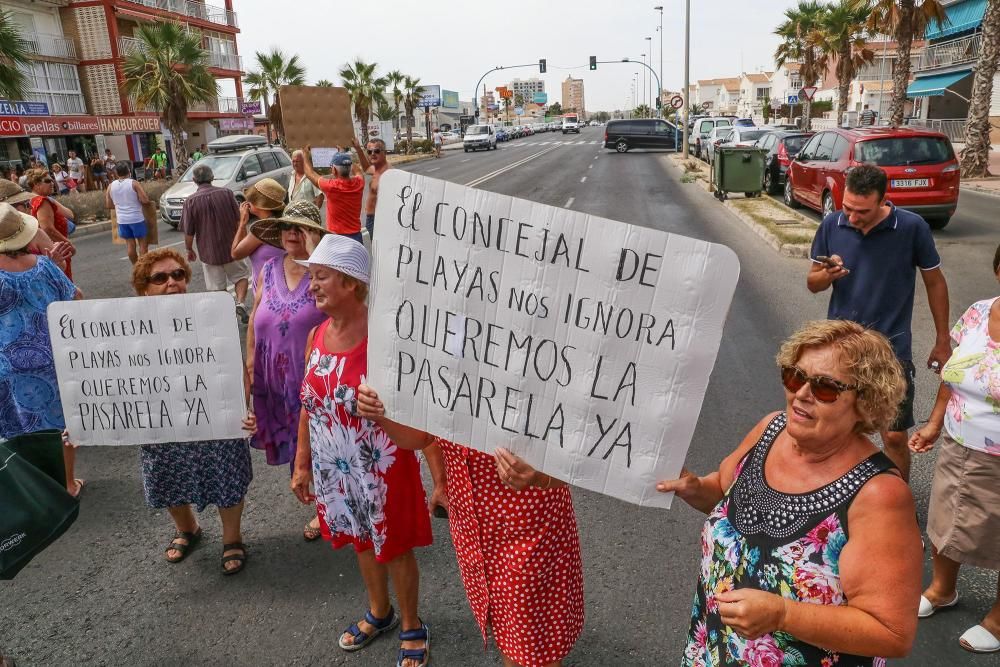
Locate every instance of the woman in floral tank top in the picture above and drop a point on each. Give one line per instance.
(810, 554)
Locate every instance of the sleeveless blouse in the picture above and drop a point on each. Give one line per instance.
(60, 222)
(782, 543)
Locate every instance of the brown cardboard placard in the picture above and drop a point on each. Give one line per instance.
(152, 222)
(316, 116)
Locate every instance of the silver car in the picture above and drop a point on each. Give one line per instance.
(237, 162)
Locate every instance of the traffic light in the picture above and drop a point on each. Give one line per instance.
(659, 103)
(541, 66)
(593, 62)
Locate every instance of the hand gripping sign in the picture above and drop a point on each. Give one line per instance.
(582, 344)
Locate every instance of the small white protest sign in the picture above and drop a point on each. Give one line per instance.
(150, 369)
(582, 344)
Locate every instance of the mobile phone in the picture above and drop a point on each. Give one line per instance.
(830, 263)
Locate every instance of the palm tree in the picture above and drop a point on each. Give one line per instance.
(169, 73)
(801, 36)
(975, 157)
(411, 100)
(324, 83)
(383, 111)
(905, 20)
(13, 57)
(274, 70)
(842, 38)
(365, 88)
(394, 80)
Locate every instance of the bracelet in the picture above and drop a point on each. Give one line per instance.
(548, 484)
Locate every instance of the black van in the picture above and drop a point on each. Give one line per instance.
(623, 135)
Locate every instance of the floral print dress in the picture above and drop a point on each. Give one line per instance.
(787, 544)
(368, 492)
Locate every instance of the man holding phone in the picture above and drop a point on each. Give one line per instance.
(869, 252)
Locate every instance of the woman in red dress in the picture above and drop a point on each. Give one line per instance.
(516, 541)
(368, 493)
(52, 216)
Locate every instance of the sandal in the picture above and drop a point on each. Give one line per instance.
(361, 638)
(78, 484)
(192, 541)
(978, 639)
(927, 608)
(421, 654)
(311, 534)
(241, 558)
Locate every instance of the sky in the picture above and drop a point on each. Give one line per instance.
(452, 43)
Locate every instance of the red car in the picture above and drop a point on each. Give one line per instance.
(921, 166)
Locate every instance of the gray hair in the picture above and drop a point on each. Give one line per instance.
(122, 169)
(343, 169)
(202, 174)
(298, 152)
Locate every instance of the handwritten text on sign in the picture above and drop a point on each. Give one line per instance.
(583, 344)
(149, 369)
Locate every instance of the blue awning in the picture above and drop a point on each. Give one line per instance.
(935, 84)
(962, 16)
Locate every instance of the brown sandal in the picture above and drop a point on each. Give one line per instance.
(241, 557)
(310, 534)
(192, 541)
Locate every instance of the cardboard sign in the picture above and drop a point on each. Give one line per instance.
(582, 344)
(152, 225)
(146, 370)
(317, 116)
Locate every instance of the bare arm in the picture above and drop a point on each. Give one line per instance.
(258, 294)
(937, 298)
(923, 440)
(109, 204)
(47, 222)
(140, 193)
(309, 171)
(362, 155)
(66, 212)
(244, 243)
(302, 469)
(821, 276)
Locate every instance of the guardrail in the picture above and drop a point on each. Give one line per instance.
(955, 52)
(218, 105)
(953, 128)
(42, 44)
(231, 61)
(198, 10)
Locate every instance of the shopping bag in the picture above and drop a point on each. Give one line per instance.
(35, 507)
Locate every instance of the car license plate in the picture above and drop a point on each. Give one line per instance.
(910, 182)
(174, 215)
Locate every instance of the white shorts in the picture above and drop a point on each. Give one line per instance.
(219, 276)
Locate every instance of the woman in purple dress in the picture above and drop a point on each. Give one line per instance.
(284, 312)
(264, 199)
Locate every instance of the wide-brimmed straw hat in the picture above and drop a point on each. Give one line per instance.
(266, 194)
(12, 193)
(303, 214)
(16, 229)
(340, 253)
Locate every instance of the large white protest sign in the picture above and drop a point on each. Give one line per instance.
(582, 344)
(149, 369)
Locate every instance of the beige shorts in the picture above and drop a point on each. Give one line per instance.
(963, 520)
(220, 276)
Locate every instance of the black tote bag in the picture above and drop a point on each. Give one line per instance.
(35, 508)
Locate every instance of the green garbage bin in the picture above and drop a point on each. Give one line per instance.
(739, 169)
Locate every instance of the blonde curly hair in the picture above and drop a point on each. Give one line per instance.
(865, 356)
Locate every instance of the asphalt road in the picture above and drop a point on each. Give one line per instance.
(104, 595)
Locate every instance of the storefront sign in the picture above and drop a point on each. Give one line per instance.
(229, 124)
(11, 127)
(23, 108)
(128, 124)
(251, 107)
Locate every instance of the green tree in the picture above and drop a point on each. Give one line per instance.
(842, 39)
(801, 38)
(411, 100)
(765, 109)
(274, 70)
(169, 73)
(641, 111)
(555, 109)
(975, 157)
(324, 83)
(366, 89)
(383, 111)
(13, 57)
(905, 20)
(394, 83)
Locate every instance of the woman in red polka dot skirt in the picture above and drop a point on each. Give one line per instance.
(516, 540)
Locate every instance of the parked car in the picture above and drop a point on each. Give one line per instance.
(624, 135)
(744, 122)
(739, 135)
(237, 162)
(502, 134)
(781, 145)
(716, 137)
(702, 129)
(479, 136)
(921, 166)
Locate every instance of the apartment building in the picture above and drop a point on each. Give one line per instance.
(572, 96)
(755, 92)
(75, 98)
(527, 88)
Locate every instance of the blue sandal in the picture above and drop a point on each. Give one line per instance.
(361, 638)
(421, 654)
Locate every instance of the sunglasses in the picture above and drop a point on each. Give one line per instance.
(374, 151)
(288, 227)
(160, 278)
(824, 389)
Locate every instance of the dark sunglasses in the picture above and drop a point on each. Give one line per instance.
(824, 389)
(160, 278)
(288, 227)
(374, 151)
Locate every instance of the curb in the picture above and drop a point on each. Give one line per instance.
(989, 192)
(92, 228)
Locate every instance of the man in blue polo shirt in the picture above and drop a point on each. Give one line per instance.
(870, 252)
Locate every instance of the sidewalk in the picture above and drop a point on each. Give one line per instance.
(989, 185)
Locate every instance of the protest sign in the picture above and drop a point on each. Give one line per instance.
(582, 344)
(317, 116)
(149, 369)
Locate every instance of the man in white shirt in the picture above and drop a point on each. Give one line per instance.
(74, 166)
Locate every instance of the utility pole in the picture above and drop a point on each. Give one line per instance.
(648, 77)
(687, 74)
(659, 93)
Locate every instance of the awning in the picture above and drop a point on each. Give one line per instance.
(962, 16)
(935, 84)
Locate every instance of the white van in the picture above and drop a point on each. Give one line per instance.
(571, 123)
(479, 136)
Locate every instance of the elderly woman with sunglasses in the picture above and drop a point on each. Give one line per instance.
(284, 312)
(179, 475)
(810, 553)
(53, 218)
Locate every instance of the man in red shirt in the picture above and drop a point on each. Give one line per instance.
(344, 190)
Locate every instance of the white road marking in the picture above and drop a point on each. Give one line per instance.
(434, 169)
(482, 179)
(590, 166)
(466, 159)
(596, 156)
(583, 180)
(569, 202)
(169, 245)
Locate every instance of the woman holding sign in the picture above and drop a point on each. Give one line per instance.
(179, 475)
(516, 540)
(368, 493)
(810, 554)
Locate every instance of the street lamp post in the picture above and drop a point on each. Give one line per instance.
(648, 77)
(687, 73)
(642, 100)
(659, 8)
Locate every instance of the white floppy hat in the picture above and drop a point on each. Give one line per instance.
(341, 254)
(16, 229)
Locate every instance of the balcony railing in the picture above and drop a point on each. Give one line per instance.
(218, 105)
(198, 10)
(54, 46)
(955, 52)
(130, 45)
(954, 128)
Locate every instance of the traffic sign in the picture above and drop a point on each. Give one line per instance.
(706, 105)
(807, 93)
(775, 104)
(676, 101)
(793, 99)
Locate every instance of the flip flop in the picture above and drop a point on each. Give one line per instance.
(927, 609)
(978, 639)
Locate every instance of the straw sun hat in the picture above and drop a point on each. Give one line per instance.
(16, 229)
(266, 194)
(12, 193)
(303, 214)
